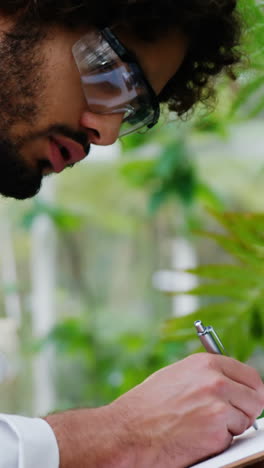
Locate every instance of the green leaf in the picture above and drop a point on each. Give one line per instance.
(245, 93)
(139, 172)
(227, 272)
(221, 290)
(256, 322)
(70, 336)
(157, 199)
(133, 141)
(244, 227)
(174, 156)
(62, 219)
(217, 314)
(236, 338)
(244, 253)
(239, 319)
(209, 197)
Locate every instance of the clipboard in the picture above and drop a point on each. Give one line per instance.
(254, 461)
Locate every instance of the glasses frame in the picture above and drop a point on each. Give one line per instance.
(128, 57)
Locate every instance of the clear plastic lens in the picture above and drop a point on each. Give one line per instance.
(110, 85)
(129, 112)
(107, 91)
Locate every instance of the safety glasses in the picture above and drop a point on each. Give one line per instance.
(114, 83)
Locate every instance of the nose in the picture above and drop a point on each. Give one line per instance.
(102, 129)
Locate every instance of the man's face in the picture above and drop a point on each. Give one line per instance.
(45, 122)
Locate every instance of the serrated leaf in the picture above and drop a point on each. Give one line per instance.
(222, 313)
(255, 222)
(228, 272)
(243, 226)
(235, 335)
(209, 197)
(217, 314)
(238, 250)
(220, 290)
(239, 320)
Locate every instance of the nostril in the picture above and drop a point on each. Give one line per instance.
(101, 129)
(65, 153)
(93, 135)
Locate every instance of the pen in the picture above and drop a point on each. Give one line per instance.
(212, 343)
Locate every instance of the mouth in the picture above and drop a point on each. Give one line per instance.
(64, 152)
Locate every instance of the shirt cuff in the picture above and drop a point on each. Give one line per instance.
(37, 442)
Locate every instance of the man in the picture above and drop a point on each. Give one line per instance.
(75, 73)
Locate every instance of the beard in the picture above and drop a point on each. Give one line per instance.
(17, 180)
(22, 80)
(20, 180)
(21, 83)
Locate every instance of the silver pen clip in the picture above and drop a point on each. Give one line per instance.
(209, 338)
(212, 331)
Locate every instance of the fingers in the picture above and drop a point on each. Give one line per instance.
(230, 422)
(237, 422)
(246, 400)
(229, 381)
(241, 373)
(247, 392)
(240, 396)
(237, 383)
(193, 408)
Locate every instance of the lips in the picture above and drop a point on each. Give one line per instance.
(64, 152)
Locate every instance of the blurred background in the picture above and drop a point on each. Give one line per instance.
(103, 274)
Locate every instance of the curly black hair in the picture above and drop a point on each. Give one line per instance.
(212, 26)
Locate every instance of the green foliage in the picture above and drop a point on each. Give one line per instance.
(248, 99)
(233, 294)
(171, 175)
(63, 219)
(70, 336)
(104, 370)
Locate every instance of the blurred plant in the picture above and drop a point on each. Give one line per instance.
(235, 290)
(64, 219)
(103, 370)
(170, 175)
(248, 96)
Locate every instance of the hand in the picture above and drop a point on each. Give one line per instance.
(177, 417)
(190, 410)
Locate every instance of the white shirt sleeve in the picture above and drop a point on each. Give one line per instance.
(27, 443)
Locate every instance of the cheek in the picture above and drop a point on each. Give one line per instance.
(64, 101)
(61, 102)
(63, 97)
